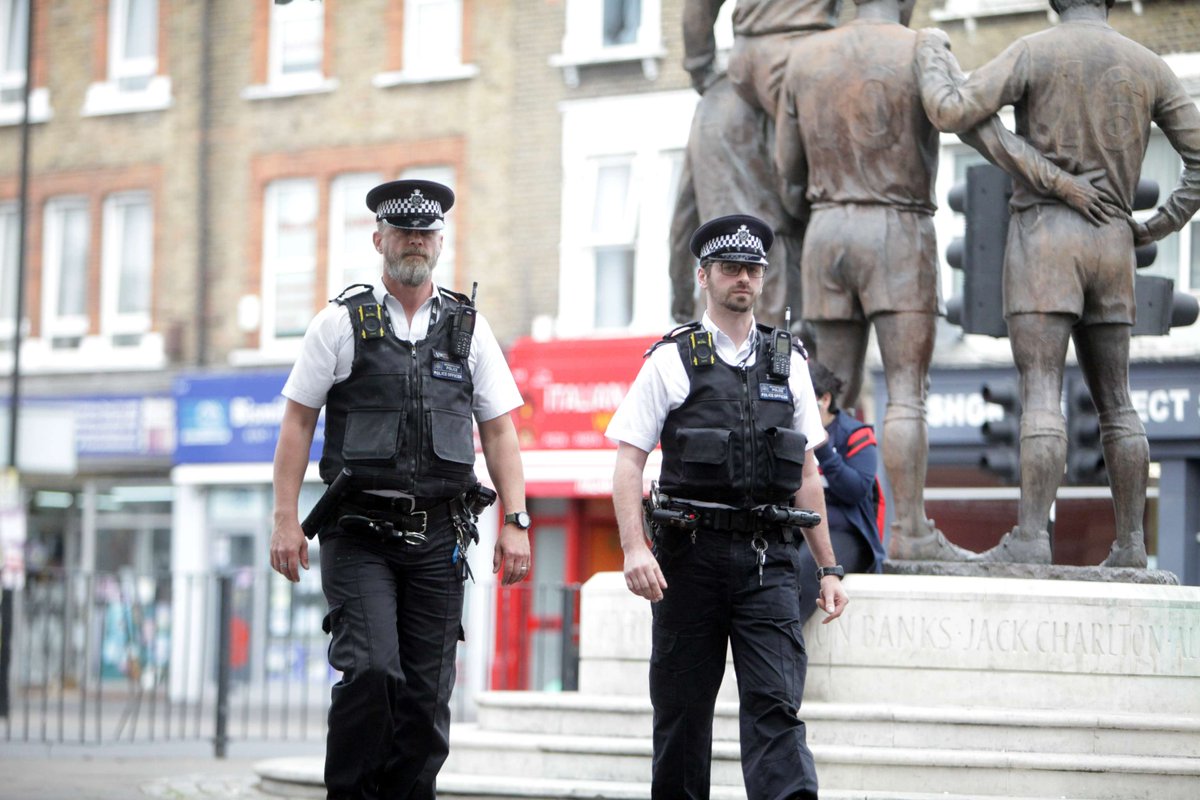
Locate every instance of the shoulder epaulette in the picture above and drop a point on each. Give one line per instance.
(798, 346)
(457, 296)
(672, 336)
(352, 290)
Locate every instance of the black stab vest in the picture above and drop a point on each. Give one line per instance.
(732, 440)
(402, 419)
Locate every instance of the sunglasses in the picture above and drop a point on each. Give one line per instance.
(731, 269)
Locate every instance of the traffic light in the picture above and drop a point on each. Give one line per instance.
(1085, 456)
(1159, 306)
(983, 200)
(1002, 437)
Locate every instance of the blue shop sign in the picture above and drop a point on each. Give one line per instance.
(232, 418)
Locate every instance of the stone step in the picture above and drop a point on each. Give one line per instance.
(843, 767)
(866, 725)
(301, 779)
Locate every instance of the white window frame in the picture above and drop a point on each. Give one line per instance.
(121, 66)
(56, 325)
(110, 96)
(12, 78)
(114, 323)
(273, 266)
(345, 196)
(447, 268)
(970, 10)
(12, 112)
(416, 39)
(622, 235)
(651, 129)
(418, 33)
(8, 268)
(277, 83)
(281, 15)
(583, 40)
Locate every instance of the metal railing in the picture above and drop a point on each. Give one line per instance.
(238, 656)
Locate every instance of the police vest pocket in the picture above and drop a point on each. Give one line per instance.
(786, 449)
(705, 455)
(453, 440)
(372, 434)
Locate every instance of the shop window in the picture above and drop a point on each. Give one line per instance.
(289, 257)
(65, 274)
(127, 267)
(132, 82)
(352, 255)
(9, 233)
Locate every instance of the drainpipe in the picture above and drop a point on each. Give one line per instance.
(203, 187)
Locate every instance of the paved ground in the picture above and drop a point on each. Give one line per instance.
(163, 771)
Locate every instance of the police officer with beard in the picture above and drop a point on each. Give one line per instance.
(733, 406)
(401, 368)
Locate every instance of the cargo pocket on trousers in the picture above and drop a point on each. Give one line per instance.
(341, 648)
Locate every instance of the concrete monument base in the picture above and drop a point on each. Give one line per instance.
(954, 687)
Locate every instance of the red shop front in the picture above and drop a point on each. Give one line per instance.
(570, 388)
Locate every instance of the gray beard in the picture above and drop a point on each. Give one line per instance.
(410, 270)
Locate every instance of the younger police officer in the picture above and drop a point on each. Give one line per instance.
(400, 382)
(737, 428)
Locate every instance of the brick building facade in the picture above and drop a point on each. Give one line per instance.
(196, 181)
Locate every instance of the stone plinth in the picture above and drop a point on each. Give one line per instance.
(937, 640)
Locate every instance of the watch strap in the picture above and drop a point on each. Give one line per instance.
(836, 570)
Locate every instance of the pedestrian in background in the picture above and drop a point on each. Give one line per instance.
(848, 461)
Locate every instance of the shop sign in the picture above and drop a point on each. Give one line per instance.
(120, 426)
(571, 388)
(235, 418)
(1165, 396)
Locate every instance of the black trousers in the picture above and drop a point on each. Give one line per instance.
(853, 553)
(395, 614)
(713, 599)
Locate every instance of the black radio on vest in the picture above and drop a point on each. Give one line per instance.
(464, 326)
(781, 350)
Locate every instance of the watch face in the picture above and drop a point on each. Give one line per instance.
(519, 518)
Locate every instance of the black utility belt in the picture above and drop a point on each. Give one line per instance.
(761, 519)
(384, 523)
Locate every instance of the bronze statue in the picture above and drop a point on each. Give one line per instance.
(1085, 95)
(728, 167)
(869, 160)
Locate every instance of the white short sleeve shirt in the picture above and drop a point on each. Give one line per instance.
(328, 352)
(662, 385)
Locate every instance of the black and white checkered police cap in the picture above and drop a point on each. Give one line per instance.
(737, 237)
(411, 204)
